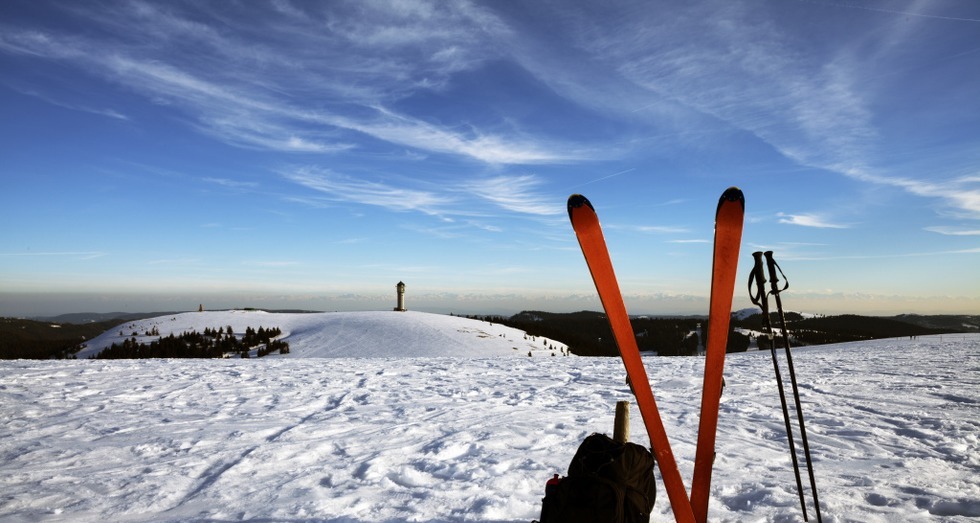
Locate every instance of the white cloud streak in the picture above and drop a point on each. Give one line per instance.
(78, 255)
(800, 257)
(813, 105)
(103, 111)
(809, 220)
(515, 193)
(961, 194)
(231, 184)
(905, 13)
(324, 75)
(953, 231)
(660, 229)
(338, 187)
(518, 195)
(405, 130)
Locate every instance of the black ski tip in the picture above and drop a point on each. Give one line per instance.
(577, 200)
(731, 194)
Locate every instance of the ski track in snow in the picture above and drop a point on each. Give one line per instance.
(893, 427)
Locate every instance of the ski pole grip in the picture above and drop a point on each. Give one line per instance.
(773, 267)
(759, 277)
(773, 278)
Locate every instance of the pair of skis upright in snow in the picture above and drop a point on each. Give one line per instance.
(728, 237)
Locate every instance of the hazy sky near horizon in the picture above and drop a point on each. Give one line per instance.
(288, 154)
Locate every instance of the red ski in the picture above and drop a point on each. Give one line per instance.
(728, 238)
(589, 233)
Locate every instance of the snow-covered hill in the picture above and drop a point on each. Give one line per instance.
(744, 314)
(894, 430)
(349, 334)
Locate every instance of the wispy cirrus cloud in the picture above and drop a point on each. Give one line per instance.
(100, 111)
(515, 193)
(272, 263)
(341, 188)
(461, 202)
(810, 220)
(232, 184)
(251, 132)
(904, 13)
(489, 148)
(816, 106)
(884, 256)
(688, 241)
(961, 194)
(662, 229)
(953, 231)
(323, 76)
(77, 255)
(651, 229)
(739, 71)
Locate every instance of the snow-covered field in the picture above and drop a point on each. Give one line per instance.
(894, 429)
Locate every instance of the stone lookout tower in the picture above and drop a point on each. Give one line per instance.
(401, 297)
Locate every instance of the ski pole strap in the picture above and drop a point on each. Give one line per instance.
(773, 267)
(758, 277)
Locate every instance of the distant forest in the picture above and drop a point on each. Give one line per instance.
(586, 333)
(212, 343)
(29, 339)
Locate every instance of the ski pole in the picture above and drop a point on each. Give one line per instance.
(776, 289)
(761, 299)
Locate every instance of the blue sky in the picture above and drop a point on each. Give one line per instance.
(158, 155)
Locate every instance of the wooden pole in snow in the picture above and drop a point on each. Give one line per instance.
(621, 425)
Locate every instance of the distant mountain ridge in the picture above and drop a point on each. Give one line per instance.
(583, 332)
(588, 333)
(971, 323)
(94, 317)
(78, 318)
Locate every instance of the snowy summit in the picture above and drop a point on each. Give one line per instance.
(348, 334)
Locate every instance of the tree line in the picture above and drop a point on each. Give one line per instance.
(212, 343)
(587, 333)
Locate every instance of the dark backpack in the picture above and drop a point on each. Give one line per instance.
(607, 483)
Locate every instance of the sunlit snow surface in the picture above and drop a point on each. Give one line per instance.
(894, 428)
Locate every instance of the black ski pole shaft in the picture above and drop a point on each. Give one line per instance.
(761, 299)
(776, 290)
